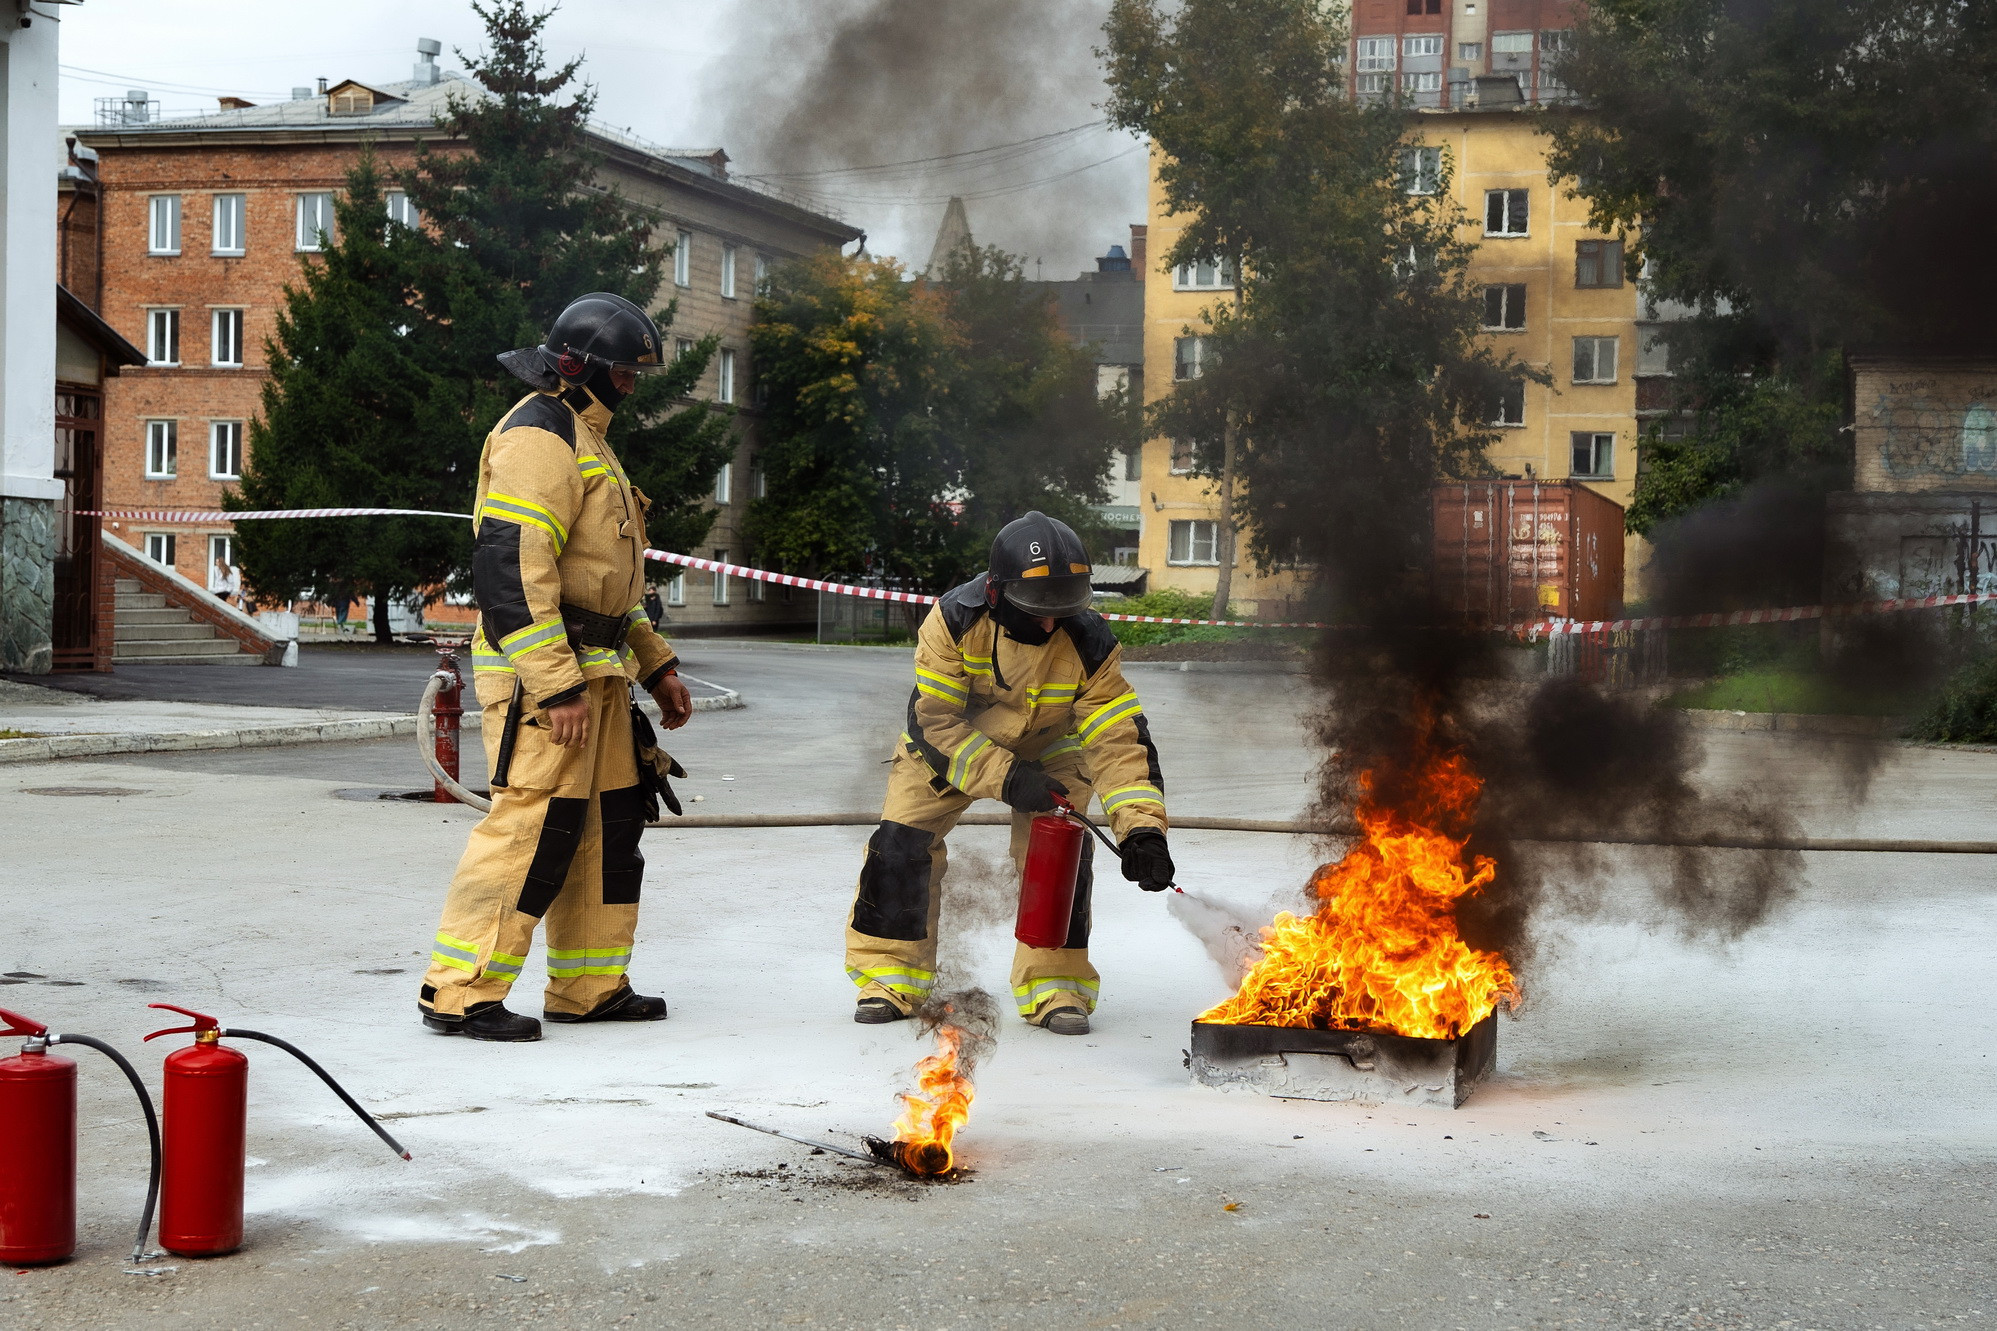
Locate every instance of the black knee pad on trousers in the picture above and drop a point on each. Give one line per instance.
(561, 834)
(1085, 881)
(623, 862)
(894, 884)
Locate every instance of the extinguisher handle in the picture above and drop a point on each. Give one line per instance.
(20, 1025)
(202, 1021)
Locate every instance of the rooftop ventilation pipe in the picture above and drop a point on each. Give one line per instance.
(427, 51)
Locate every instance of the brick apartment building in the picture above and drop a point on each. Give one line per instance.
(204, 218)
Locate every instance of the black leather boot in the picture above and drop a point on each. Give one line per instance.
(1066, 1021)
(485, 1021)
(624, 1005)
(877, 1012)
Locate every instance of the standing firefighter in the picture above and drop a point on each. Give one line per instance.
(562, 632)
(1020, 696)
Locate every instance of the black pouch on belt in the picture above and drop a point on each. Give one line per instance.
(654, 766)
(586, 628)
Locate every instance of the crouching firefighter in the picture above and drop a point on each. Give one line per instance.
(1019, 696)
(558, 571)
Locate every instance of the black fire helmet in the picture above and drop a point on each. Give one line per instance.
(597, 331)
(1040, 566)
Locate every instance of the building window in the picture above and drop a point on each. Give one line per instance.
(1653, 350)
(758, 589)
(1133, 464)
(315, 221)
(1594, 456)
(1504, 307)
(1420, 44)
(163, 235)
(1429, 82)
(1421, 170)
(1595, 360)
(1598, 263)
(221, 550)
(681, 346)
(1505, 212)
(676, 588)
(225, 450)
(763, 263)
(351, 102)
(683, 260)
(1511, 43)
(1553, 46)
(160, 547)
(1425, 7)
(162, 450)
(1511, 405)
(228, 235)
(724, 388)
(163, 337)
(401, 211)
(1375, 54)
(1469, 50)
(1183, 459)
(1193, 541)
(724, 483)
(1374, 84)
(226, 338)
(720, 579)
(759, 480)
(1188, 357)
(728, 272)
(1205, 275)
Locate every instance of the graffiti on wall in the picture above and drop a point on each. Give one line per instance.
(1925, 432)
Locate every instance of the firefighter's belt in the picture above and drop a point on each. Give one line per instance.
(586, 628)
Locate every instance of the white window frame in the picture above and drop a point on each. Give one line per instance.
(1185, 553)
(759, 479)
(1374, 54)
(1515, 395)
(1415, 44)
(1469, 51)
(225, 336)
(230, 217)
(1204, 276)
(724, 483)
(720, 579)
(1515, 212)
(1421, 170)
(225, 445)
(1373, 84)
(162, 450)
(1183, 369)
(724, 376)
(1511, 43)
(163, 336)
(763, 265)
(1601, 447)
(1588, 355)
(163, 224)
(1181, 457)
(728, 253)
(1422, 81)
(226, 547)
(160, 547)
(676, 588)
(683, 259)
(401, 211)
(320, 216)
(758, 589)
(1505, 307)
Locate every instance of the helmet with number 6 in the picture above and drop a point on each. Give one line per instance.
(1040, 566)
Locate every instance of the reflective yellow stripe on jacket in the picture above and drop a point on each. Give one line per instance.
(527, 514)
(517, 644)
(941, 687)
(1107, 715)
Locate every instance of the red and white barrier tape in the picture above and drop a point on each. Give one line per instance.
(1546, 627)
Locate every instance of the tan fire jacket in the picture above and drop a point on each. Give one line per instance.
(983, 701)
(558, 522)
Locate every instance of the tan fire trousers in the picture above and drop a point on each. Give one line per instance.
(891, 935)
(560, 844)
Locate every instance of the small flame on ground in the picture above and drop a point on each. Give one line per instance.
(1382, 951)
(935, 1109)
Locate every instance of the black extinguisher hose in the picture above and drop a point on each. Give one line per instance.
(237, 1033)
(152, 1129)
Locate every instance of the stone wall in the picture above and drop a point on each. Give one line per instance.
(27, 584)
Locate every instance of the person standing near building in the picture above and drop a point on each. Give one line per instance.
(558, 573)
(1019, 695)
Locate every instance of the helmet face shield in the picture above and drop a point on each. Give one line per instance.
(1054, 596)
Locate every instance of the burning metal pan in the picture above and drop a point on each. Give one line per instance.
(1370, 1067)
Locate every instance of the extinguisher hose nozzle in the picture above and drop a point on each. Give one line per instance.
(152, 1130)
(237, 1033)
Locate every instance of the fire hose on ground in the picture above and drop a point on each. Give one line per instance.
(425, 740)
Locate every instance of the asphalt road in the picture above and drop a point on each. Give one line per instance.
(1785, 1130)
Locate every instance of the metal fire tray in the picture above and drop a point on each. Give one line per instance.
(1372, 1067)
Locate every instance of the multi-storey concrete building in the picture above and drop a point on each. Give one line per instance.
(206, 218)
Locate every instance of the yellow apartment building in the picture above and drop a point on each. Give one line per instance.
(1554, 295)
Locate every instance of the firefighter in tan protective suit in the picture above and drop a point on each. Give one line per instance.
(1020, 696)
(559, 576)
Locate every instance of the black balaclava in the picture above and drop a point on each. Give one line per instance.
(600, 387)
(1019, 625)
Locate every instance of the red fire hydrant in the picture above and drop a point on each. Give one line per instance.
(448, 714)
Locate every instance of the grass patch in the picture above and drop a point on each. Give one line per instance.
(9, 733)
(1779, 689)
(1965, 711)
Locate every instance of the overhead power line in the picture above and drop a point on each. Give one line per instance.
(932, 162)
(973, 195)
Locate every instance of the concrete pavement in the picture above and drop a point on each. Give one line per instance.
(1789, 1131)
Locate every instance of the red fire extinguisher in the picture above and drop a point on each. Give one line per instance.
(205, 1105)
(1047, 881)
(38, 1158)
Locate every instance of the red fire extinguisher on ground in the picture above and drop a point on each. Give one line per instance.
(205, 1105)
(38, 1155)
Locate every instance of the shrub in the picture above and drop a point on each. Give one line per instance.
(1965, 712)
(1167, 604)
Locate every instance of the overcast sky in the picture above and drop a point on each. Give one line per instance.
(800, 86)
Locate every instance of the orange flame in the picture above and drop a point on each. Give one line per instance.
(1382, 950)
(935, 1109)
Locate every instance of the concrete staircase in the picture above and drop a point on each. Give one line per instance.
(151, 632)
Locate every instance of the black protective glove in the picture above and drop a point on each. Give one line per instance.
(1029, 789)
(1146, 861)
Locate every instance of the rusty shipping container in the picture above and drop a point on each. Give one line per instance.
(1508, 552)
